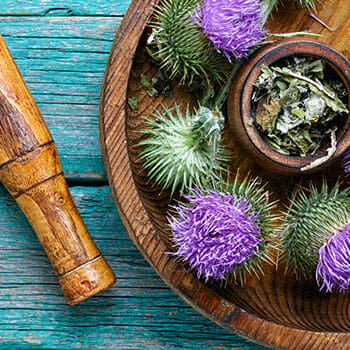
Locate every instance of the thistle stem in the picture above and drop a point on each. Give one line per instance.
(267, 7)
(223, 92)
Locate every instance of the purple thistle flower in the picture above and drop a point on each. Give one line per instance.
(346, 162)
(233, 26)
(215, 232)
(333, 269)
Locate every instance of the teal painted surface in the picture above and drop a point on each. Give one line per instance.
(63, 60)
(62, 57)
(63, 7)
(139, 312)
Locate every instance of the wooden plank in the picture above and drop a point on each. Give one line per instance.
(63, 8)
(63, 62)
(140, 311)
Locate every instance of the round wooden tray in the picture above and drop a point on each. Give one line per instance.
(276, 310)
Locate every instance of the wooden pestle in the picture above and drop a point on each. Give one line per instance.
(31, 171)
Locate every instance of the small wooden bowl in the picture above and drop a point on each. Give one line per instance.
(240, 112)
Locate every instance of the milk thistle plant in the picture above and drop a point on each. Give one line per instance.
(191, 38)
(180, 47)
(196, 41)
(232, 26)
(224, 232)
(316, 239)
(184, 150)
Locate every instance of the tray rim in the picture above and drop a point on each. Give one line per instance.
(114, 150)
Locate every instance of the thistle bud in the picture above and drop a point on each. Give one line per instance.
(184, 150)
(232, 26)
(224, 233)
(316, 239)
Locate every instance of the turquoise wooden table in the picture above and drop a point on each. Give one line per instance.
(61, 48)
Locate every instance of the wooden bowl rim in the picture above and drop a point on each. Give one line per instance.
(137, 222)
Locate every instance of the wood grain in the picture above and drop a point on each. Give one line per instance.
(33, 314)
(63, 61)
(276, 310)
(31, 171)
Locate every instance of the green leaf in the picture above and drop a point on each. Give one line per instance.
(132, 102)
(298, 112)
(147, 84)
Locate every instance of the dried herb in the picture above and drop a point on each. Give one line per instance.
(298, 105)
(132, 103)
(147, 84)
(157, 85)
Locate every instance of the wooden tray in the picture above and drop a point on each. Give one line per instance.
(274, 311)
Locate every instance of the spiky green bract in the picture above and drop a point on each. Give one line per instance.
(184, 150)
(180, 45)
(253, 190)
(313, 217)
(308, 4)
(270, 5)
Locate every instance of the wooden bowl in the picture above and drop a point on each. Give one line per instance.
(276, 310)
(241, 115)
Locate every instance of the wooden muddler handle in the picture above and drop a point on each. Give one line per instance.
(31, 171)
